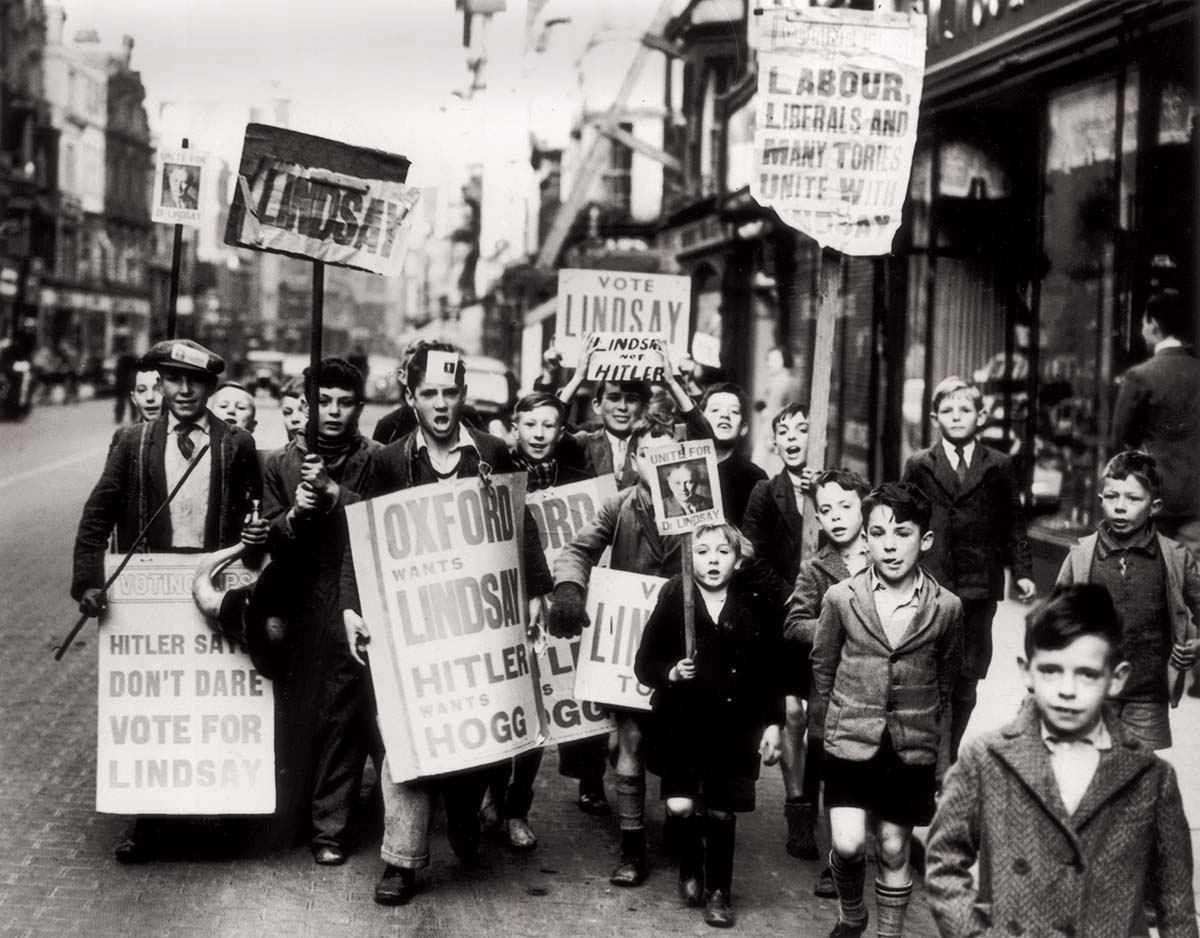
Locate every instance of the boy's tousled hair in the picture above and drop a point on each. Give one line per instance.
(541, 399)
(1071, 611)
(1136, 464)
(956, 385)
(650, 427)
(418, 362)
(293, 388)
(737, 540)
(640, 388)
(337, 373)
(726, 387)
(1167, 309)
(906, 501)
(786, 411)
(848, 479)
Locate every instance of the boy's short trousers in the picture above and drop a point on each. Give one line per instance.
(884, 785)
(797, 672)
(734, 794)
(1148, 721)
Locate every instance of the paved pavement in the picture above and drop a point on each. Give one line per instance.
(57, 876)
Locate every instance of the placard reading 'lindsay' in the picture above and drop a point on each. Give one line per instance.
(626, 356)
(315, 198)
(186, 724)
(618, 606)
(560, 513)
(618, 301)
(439, 571)
(836, 121)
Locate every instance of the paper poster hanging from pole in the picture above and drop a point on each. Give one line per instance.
(185, 723)
(685, 488)
(439, 571)
(839, 92)
(180, 186)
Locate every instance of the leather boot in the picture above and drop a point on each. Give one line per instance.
(396, 886)
(689, 841)
(801, 822)
(631, 871)
(718, 871)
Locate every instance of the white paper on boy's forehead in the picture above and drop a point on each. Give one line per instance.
(440, 368)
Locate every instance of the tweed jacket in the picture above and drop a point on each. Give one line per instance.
(134, 484)
(773, 523)
(1158, 410)
(867, 686)
(391, 469)
(626, 523)
(1046, 873)
(1183, 581)
(978, 526)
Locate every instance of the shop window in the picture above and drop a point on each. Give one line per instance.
(1080, 215)
(618, 187)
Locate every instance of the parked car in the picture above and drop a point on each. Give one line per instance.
(383, 385)
(491, 386)
(264, 369)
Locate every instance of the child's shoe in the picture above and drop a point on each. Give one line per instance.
(801, 821)
(717, 910)
(718, 870)
(849, 930)
(825, 888)
(631, 871)
(689, 841)
(396, 886)
(520, 834)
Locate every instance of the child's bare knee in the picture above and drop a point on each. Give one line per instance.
(892, 849)
(630, 737)
(680, 807)
(794, 713)
(849, 845)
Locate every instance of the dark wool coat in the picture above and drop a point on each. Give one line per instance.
(738, 475)
(1158, 410)
(1046, 873)
(868, 686)
(816, 575)
(134, 484)
(624, 522)
(978, 527)
(710, 727)
(773, 523)
(391, 469)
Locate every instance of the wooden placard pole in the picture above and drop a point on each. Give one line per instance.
(176, 262)
(829, 277)
(314, 351)
(689, 597)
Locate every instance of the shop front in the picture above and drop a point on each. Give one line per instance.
(1052, 193)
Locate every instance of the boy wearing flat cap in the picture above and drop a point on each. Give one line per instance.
(144, 464)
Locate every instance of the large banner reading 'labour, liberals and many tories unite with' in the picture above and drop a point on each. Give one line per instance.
(560, 513)
(440, 579)
(836, 121)
(315, 198)
(185, 722)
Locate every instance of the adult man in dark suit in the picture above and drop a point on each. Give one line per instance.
(178, 191)
(144, 464)
(683, 479)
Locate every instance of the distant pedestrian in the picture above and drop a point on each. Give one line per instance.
(124, 376)
(1067, 815)
(1155, 585)
(887, 651)
(718, 708)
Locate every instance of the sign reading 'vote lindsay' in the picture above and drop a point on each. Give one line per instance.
(315, 198)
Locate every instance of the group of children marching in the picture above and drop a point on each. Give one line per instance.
(856, 669)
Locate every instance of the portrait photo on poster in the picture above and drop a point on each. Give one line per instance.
(179, 187)
(685, 487)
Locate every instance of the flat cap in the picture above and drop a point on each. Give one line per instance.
(183, 355)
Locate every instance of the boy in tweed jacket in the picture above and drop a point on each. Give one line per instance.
(1063, 807)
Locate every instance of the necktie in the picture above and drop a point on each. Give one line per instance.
(186, 446)
(961, 469)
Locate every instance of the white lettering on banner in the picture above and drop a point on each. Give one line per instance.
(185, 721)
(836, 121)
(614, 301)
(452, 672)
(618, 606)
(560, 513)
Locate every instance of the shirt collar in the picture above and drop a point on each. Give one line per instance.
(1098, 736)
(952, 454)
(200, 424)
(1145, 543)
(1169, 342)
(877, 584)
(462, 441)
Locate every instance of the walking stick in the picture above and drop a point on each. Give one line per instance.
(61, 649)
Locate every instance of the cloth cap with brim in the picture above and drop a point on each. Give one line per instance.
(183, 355)
(244, 613)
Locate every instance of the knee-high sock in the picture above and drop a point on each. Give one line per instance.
(891, 902)
(631, 802)
(849, 877)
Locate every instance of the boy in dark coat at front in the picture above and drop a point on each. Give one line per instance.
(1068, 816)
(978, 527)
(719, 708)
